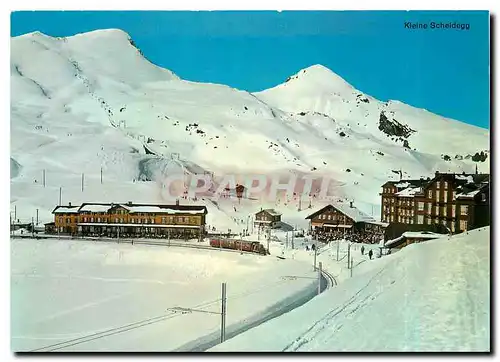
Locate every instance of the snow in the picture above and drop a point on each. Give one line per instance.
(353, 212)
(66, 210)
(470, 194)
(94, 208)
(409, 192)
(392, 304)
(92, 101)
(85, 287)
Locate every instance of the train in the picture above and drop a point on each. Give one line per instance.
(243, 245)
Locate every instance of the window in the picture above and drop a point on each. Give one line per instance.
(438, 185)
(454, 195)
(132, 221)
(483, 197)
(453, 208)
(392, 208)
(98, 219)
(438, 196)
(453, 227)
(163, 220)
(463, 225)
(445, 197)
(464, 209)
(428, 207)
(446, 185)
(84, 219)
(68, 221)
(116, 220)
(436, 210)
(420, 206)
(420, 219)
(152, 221)
(399, 218)
(443, 210)
(428, 221)
(121, 220)
(329, 217)
(91, 219)
(429, 194)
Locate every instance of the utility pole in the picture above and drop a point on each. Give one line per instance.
(60, 195)
(338, 246)
(10, 215)
(37, 216)
(168, 233)
(319, 278)
(223, 314)
(82, 181)
(351, 266)
(15, 213)
(43, 178)
(101, 175)
(348, 254)
(293, 234)
(315, 253)
(32, 228)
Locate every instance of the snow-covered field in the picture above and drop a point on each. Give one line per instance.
(433, 296)
(63, 290)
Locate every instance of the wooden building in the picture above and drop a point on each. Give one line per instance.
(340, 219)
(268, 218)
(131, 220)
(459, 202)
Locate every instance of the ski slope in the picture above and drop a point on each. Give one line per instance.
(432, 297)
(93, 102)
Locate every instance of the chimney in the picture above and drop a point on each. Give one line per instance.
(130, 202)
(350, 204)
(177, 202)
(69, 204)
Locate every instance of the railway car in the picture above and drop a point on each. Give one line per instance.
(243, 245)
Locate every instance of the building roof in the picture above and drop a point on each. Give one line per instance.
(133, 208)
(412, 234)
(351, 212)
(271, 212)
(61, 209)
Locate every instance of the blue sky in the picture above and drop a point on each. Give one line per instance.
(445, 71)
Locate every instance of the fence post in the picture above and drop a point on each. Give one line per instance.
(315, 252)
(351, 266)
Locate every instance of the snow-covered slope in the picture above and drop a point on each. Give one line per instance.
(433, 296)
(92, 101)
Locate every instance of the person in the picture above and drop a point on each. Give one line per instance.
(363, 250)
(370, 253)
(307, 248)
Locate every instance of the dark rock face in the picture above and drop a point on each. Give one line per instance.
(406, 144)
(446, 158)
(342, 134)
(479, 157)
(393, 127)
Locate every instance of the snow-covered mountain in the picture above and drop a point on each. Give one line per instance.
(92, 101)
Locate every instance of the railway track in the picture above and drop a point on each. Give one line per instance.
(330, 280)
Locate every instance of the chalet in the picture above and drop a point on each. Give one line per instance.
(268, 218)
(340, 218)
(457, 201)
(131, 220)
